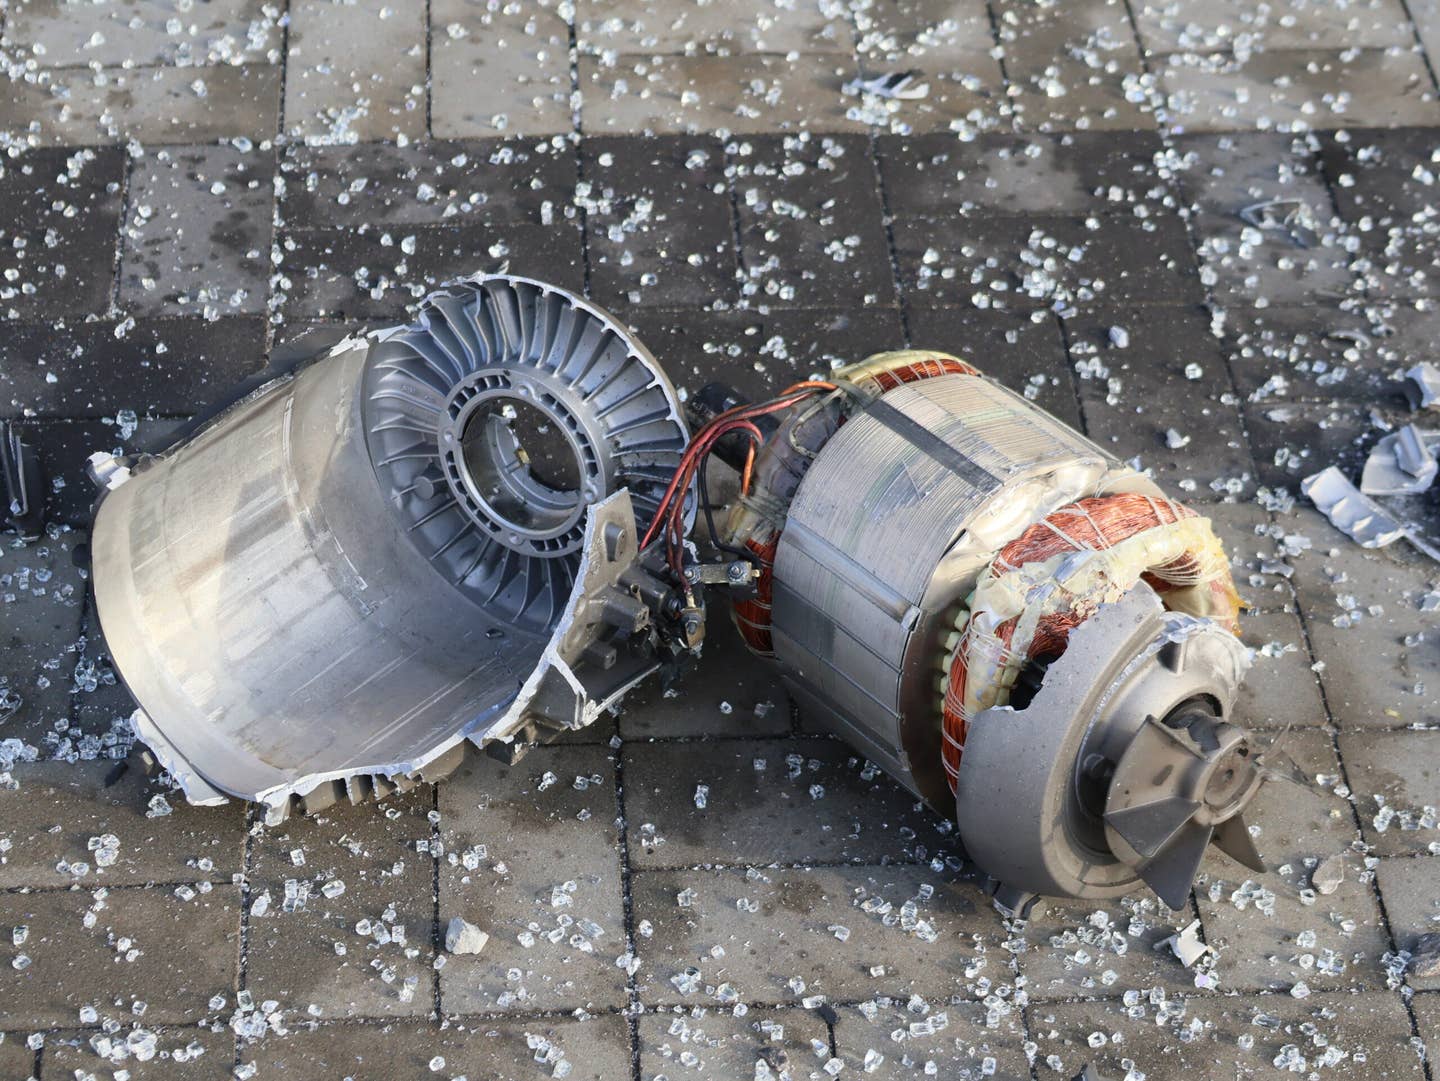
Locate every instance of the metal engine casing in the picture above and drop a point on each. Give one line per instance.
(312, 597)
(887, 533)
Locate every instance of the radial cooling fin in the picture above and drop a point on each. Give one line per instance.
(495, 420)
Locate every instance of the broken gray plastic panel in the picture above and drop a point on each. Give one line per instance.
(1422, 386)
(1357, 515)
(1402, 463)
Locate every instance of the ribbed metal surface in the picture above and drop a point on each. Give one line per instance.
(506, 539)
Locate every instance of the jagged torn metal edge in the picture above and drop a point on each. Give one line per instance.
(497, 724)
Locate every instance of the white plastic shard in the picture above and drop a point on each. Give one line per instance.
(463, 937)
(1186, 945)
(1402, 463)
(893, 85)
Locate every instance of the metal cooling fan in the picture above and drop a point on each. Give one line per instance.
(496, 418)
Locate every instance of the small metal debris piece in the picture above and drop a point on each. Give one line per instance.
(1349, 511)
(1422, 386)
(1402, 463)
(1358, 516)
(1328, 875)
(1187, 945)
(1293, 217)
(894, 85)
(464, 937)
(1425, 955)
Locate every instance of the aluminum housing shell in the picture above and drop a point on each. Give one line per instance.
(266, 598)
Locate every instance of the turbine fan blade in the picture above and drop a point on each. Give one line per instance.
(1171, 872)
(1232, 837)
(1148, 827)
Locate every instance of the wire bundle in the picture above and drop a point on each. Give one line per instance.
(669, 520)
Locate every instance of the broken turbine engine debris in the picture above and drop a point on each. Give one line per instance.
(476, 530)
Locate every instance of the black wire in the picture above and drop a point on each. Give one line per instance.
(744, 553)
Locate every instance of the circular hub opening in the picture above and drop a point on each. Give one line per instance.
(522, 465)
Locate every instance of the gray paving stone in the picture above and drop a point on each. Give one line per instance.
(519, 55)
(695, 706)
(1382, 185)
(950, 46)
(42, 595)
(1412, 904)
(197, 235)
(1023, 350)
(1280, 689)
(64, 447)
(366, 273)
(296, 958)
(1427, 1016)
(152, 105)
(957, 102)
(62, 210)
(658, 221)
(1322, 352)
(60, 808)
(770, 802)
(1299, 827)
(967, 1047)
(811, 221)
(760, 354)
(182, 1054)
(1169, 377)
(1213, 1038)
(1403, 769)
(355, 71)
(1223, 174)
(17, 1060)
(526, 861)
(78, 945)
(1362, 609)
(740, 94)
(931, 32)
(165, 367)
(1073, 66)
(1299, 90)
(748, 26)
(1426, 20)
(497, 181)
(1175, 25)
(788, 935)
(1122, 260)
(716, 1043)
(1099, 948)
(145, 32)
(1002, 173)
(598, 1049)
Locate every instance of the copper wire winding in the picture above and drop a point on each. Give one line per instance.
(1092, 524)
